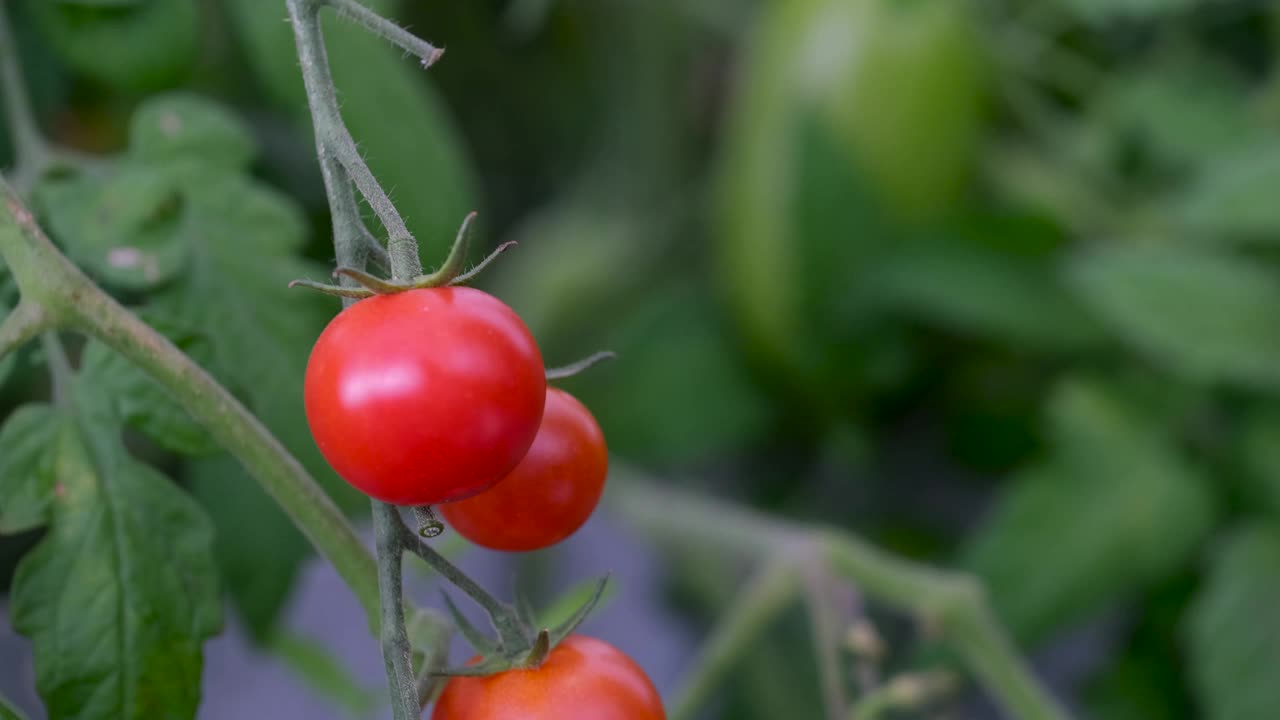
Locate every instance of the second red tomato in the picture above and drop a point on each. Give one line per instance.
(550, 494)
(425, 396)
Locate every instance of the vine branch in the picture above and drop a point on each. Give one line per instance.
(955, 600)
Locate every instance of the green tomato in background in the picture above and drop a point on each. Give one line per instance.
(855, 122)
(129, 45)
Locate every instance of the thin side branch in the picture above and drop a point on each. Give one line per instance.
(387, 30)
(22, 325)
(955, 599)
(773, 587)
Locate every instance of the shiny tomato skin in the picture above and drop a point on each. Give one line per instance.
(425, 396)
(582, 679)
(550, 494)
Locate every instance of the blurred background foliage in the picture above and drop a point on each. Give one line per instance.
(993, 283)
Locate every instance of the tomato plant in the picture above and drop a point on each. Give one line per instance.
(425, 396)
(550, 494)
(582, 679)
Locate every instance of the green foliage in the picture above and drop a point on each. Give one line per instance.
(119, 595)
(1115, 505)
(27, 454)
(403, 128)
(1232, 629)
(131, 46)
(1195, 312)
(1230, 199)
(317, 666)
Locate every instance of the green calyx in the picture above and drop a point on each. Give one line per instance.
(449, 273)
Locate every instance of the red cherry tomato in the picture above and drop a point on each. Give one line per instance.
(550, 493)
(425, 396)
(581, 679)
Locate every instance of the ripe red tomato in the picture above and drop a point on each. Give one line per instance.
(550, 493)
(425, 396)
(582, 679)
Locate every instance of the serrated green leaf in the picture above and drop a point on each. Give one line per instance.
(1114, 508)
(184, 127)
(122, 591)
(323, 672)
(248, 521)
(1201, 314)
(9, 712)
(141, 402)
(1020, 300)
(403, 129)
(131, 227)
(1233, 630)
(26, 467)
(129, 46)
(1234, 197)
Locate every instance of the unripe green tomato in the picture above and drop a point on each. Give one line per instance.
(853, 119)
(133, 46)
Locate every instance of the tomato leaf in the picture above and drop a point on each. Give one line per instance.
(404, 131)
(1258, 452)
(1115, 506)
(185, 128)
(1103, 11)
(141, 402)
(1233, 197)
(131, 226)
(129, 46)
(1194, 311)
(26, 472)
(119, 595)
(1020, 300)
(1232, 629)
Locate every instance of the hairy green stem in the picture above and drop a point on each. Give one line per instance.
(905, 692)
(396, 652)
(71, 300)
(387, 30)
(767, 593)
(59, 366)
(955, 599)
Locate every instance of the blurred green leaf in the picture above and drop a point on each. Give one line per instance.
(1186, 109)
(1235, 196)
(1114, 508)
(27, 443)
(404, 131)
(131, 226)
(572, 600)
(1201, 314)
(1018, 300)
(1258, 452)
(185, 128)
(132, 47)
(141, 402)
(323, 672)
(641, 398)
(1101, 11)
(120, 594)
(1233, 630)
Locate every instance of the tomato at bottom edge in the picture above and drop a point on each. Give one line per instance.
(581, 679)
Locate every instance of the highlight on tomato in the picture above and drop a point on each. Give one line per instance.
(425, 396)
(581, 679)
